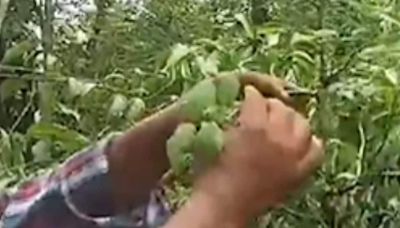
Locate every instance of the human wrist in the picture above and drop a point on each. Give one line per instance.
(238, 191)
(204, 210)
(228, 195)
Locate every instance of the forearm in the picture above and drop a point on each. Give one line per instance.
(214, 203)
(138, 159)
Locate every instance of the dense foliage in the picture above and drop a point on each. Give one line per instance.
(71, 75)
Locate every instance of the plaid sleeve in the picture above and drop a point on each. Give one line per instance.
(78, 195)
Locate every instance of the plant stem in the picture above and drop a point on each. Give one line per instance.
(321, 25)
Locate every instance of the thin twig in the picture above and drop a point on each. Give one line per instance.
(20, 68)
(322, 68)
(348, 62)
(24, 111)
(386, 135)
(361, 150)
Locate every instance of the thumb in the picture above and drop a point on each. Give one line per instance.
(314, 157)
(253, 110)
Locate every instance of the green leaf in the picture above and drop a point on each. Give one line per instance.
(14, 56)
(390, 19)
(346, 157)
(79, 88)
(303, 55)
(326, 33)
(70, 140)
(68, 111)
(115, 76)
(392, 76)
(378, 49)
(245, 23)
(118, 105)
(18, 143)
(273, 39)
(5, 148)
(179, 51)
(208, 66)
(41, 151)
(10, 87)
(298, 38)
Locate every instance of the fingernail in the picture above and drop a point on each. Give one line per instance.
(250, 89)
(319, 142)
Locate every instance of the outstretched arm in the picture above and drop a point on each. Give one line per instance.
(138, 158)
(267, 158)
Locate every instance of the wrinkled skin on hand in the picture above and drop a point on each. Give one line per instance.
(268, 156)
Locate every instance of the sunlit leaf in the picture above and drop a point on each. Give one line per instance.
(5, 148)
(179, 51)
(79, 88)
(298, 37)
(374, 50)
(114, 76)
(326, 33)
(41, 151)
(346, 157)
(303, 55)
(68, 111)
(273, 39)
(390, 19)
(245, 23)
(208, 65)
(118, 105)
(136, 109)
(392, 76)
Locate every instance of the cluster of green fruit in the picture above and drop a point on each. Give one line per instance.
(210, 106)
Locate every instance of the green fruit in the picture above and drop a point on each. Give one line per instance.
(228, 88)
(136, 109)
(219, 114)
(208, 142)
(178, 145)
(15, 55)
(203, 95)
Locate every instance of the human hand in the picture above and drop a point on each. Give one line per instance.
(200, 96)
(267, 157)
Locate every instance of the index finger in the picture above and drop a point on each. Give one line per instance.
(269, 86)
(253, 111)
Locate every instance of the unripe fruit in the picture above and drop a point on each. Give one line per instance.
(136, 109)
(228, 88)
(178, 147)
(198, 99)
(209, 141)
